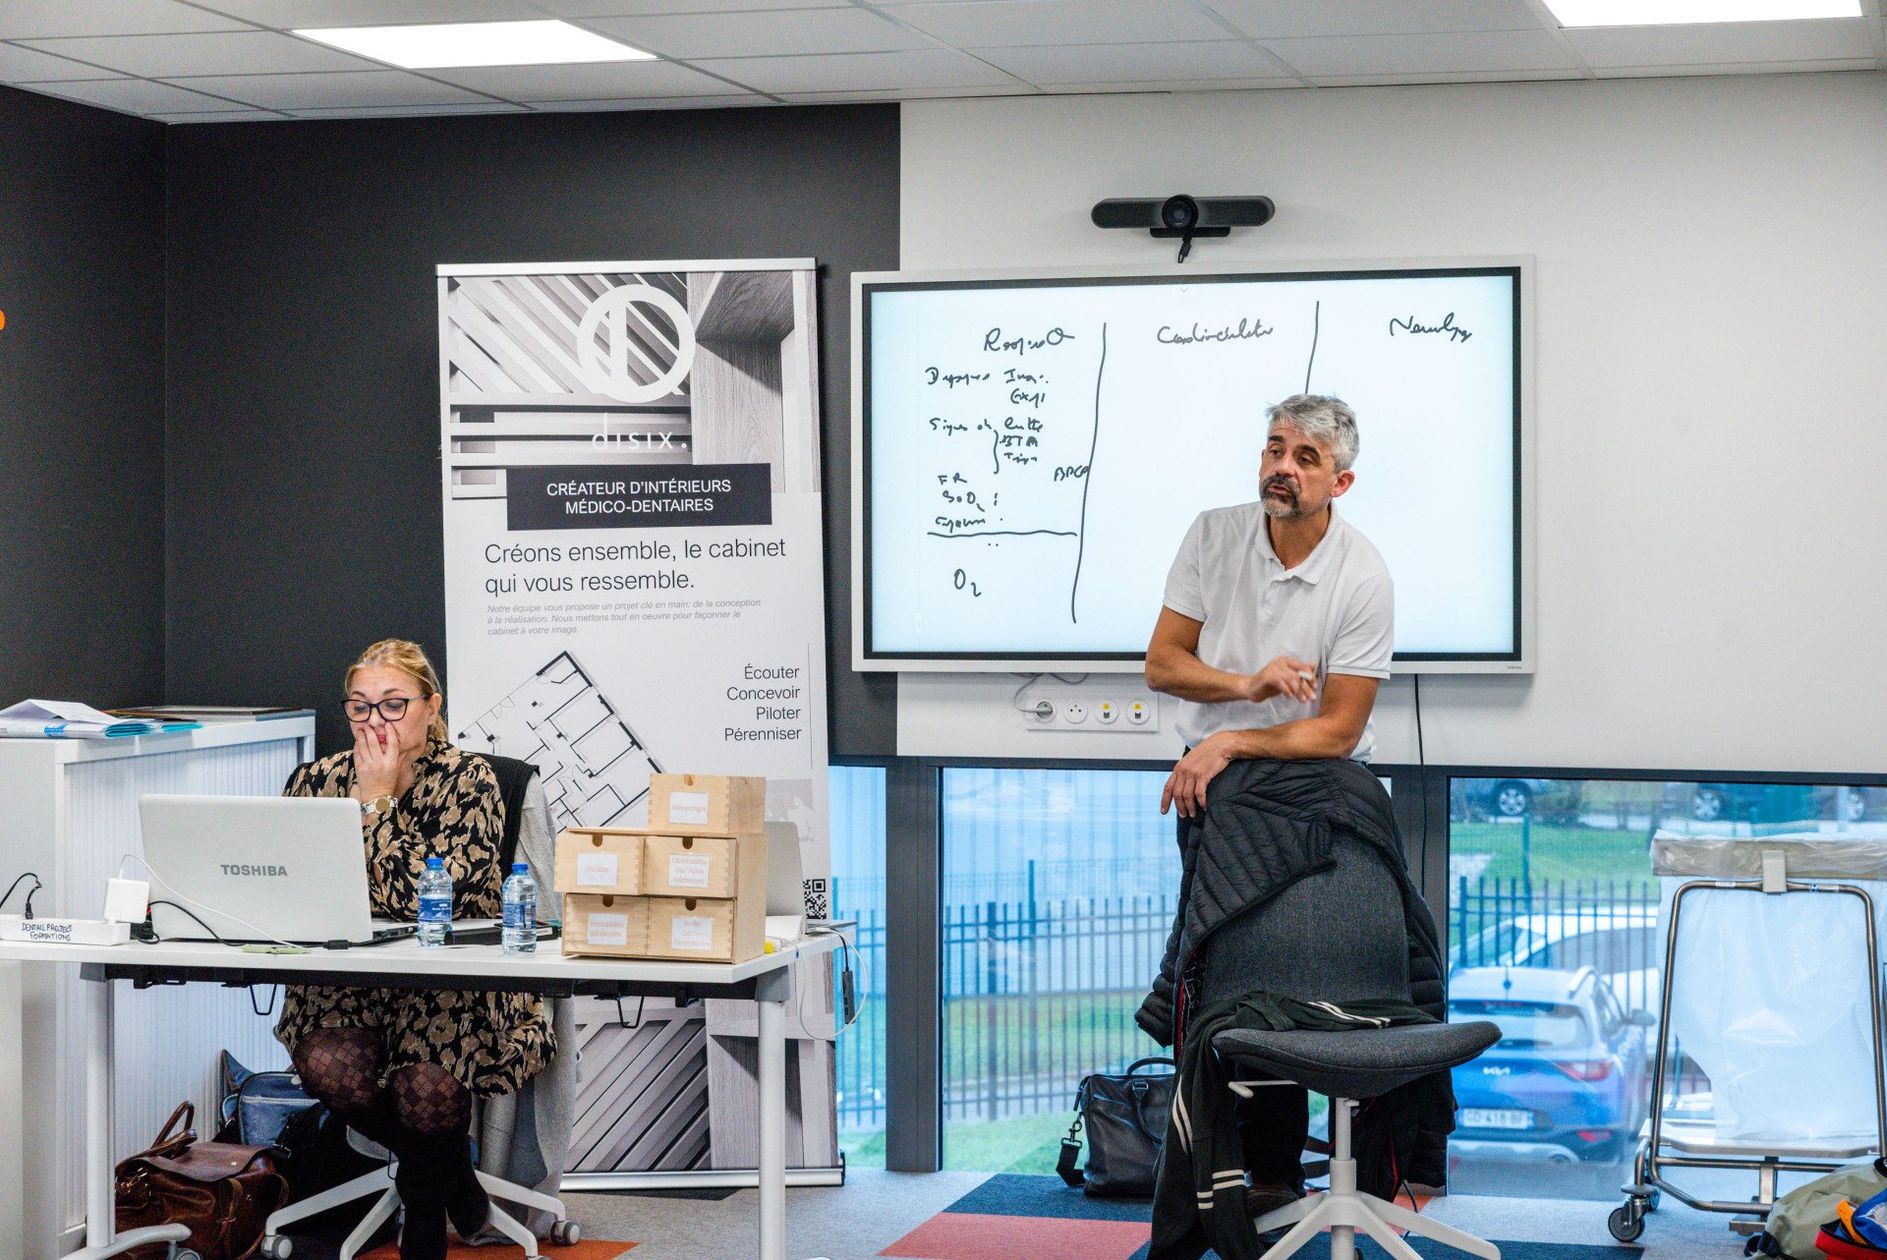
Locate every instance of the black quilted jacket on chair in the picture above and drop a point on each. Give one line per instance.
(1266, 825)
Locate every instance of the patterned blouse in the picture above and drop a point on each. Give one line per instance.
(491, 1042)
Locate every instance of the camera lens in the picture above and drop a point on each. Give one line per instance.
(1179, 212)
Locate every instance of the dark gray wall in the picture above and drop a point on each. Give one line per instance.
(81, 403)
(302, 400)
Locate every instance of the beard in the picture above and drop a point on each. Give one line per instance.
(1287, 508)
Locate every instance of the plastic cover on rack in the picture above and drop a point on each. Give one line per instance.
(1770, 991)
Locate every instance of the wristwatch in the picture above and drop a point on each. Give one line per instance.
(378, 807)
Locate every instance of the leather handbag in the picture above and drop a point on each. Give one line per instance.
(1125, 1117)
(222, 1191)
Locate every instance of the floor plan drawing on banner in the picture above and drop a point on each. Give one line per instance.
(594, 768)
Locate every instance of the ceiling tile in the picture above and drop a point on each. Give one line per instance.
(288, 14)
(41, 19)
(643, 8)
(134, 96)
(690, 37)
(608, 80)
(1174, 86)
(331, 91)
(652, 102)
(1133, 63)
(1422, 54)
(1435, 76)
(901, 94)
(1740, 67)
(1283, 19)
(1718, 43)
(858, 72)
(216, 116)
(26, 65)
(1000, 23)
(411, 111)
(170, 56)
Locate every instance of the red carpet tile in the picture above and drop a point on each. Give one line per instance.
(600, 1249)
(966, 1236)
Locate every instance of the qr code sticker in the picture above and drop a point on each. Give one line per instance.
(818, 903)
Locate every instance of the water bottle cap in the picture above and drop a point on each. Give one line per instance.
(435, 864)
(520, 868)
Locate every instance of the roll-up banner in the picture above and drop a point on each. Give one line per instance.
(633, 563)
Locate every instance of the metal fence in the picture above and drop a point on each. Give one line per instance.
(1038, 993)
(1610, 925)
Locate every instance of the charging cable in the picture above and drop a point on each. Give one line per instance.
(29, 892)
(159, 879)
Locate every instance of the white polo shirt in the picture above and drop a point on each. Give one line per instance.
(1337, 608)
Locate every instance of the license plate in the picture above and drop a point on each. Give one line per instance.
(1485, 1118)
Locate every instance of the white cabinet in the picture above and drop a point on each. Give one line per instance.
(69, 811)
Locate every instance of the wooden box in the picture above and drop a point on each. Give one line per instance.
(707, 803)
(706, 929)
(600, 860)
(603, 923)
(705, 866)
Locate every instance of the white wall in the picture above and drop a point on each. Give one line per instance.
(1711, 351)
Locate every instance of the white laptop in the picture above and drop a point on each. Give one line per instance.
(259, 868)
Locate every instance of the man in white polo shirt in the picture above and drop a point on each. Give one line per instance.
(1279, 617)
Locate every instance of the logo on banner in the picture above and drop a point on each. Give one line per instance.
(616, 363)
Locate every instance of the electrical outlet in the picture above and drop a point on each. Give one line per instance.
(1074, 712)
(1107, 712)
(1139, 712)
(1043, 712)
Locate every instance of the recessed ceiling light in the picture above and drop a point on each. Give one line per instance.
(1673, 12)
(478, 44)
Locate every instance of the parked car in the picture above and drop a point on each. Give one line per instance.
(1512, 798)
(1620, 942)
(1567, 1081)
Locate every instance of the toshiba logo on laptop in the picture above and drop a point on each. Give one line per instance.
(246, 868)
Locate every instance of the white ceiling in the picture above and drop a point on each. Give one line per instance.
(220, 60)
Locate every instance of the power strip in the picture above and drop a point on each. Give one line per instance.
(46, 931)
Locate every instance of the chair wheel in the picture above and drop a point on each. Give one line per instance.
(1626, 1222)
(566, 1233)
(183, 1254)
(276, 1247)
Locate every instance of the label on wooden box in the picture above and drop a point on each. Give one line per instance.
(597, 870)
(688, 809)
(607, 929)
(688, 870)
(691, 932)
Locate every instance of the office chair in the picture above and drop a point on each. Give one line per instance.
(1346, 1067)
(1344, 932)
(379, 1181)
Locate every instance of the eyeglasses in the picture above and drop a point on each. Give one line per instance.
(393, 708)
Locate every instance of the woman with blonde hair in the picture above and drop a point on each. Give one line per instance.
(402, 1065)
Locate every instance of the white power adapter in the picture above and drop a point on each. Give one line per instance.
(127, 900)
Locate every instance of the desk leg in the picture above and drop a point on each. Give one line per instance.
(774, 989)
(99, 1221)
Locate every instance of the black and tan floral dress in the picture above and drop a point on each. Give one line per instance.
(491, 1042)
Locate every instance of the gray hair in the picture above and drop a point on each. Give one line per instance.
(1323, 417)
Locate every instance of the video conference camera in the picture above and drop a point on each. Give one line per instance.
(1183, 216)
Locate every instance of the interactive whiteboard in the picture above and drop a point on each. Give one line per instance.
(1029, 451)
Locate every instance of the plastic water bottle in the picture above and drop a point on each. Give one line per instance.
(520, 893)
(435, 903)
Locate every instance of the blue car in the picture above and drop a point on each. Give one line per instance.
(1567, 1081)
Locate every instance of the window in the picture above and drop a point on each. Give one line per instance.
(1548, 878)
(858, 892)
(1059, 888)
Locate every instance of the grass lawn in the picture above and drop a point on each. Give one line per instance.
(1555, 852)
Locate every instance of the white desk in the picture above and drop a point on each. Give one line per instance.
(766, 980)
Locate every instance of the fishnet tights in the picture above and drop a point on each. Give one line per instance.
(341, 1067)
